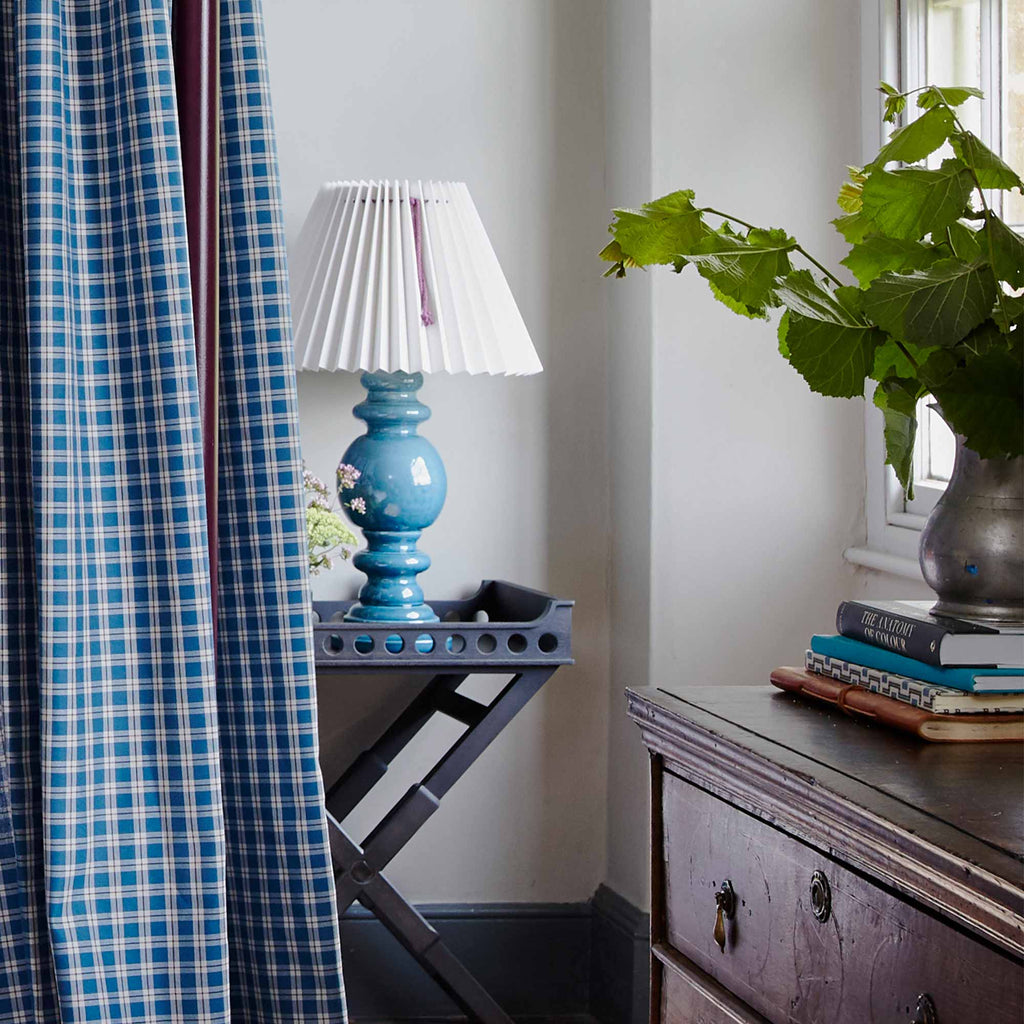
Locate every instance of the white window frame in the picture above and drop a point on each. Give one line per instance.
(893, 532)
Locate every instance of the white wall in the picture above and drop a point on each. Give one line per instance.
(628, 182)
(755, 485)
(668, 470)
(507, 96)
(758, 482)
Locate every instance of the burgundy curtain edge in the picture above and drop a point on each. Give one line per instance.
(195, 32)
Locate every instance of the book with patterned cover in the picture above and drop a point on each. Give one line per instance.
(927, 696)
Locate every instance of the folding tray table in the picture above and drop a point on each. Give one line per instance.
(502, 628)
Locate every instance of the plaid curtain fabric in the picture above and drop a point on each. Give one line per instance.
(163, 849)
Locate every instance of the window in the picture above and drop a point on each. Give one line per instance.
(933, 459)
(912, 43)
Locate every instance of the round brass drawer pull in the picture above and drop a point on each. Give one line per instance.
(925, 1013)
(725, 903)
(821, 896)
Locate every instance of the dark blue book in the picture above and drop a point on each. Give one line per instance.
(909, 628)
(971, 680)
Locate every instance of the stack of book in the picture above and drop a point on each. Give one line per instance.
(945, 679)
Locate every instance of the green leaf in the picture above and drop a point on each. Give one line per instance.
(992, 172)
(984, 401)
(889, 90)
(901, 393)
(613, 253)
(897, 398)
(964, 242)
(936, 306)
(984, 337)
(913, 202)
(658, 232)
(1009, 313)
(802, 294)
(751, 312)
(892, 361)
(1007, 250)
(854, 227)
(877, 254)
(918, 139)
(745, 269)
(938, 367)
(849, 198)
(828, 341)
(954, 95)
(782, 332)
(894, 106)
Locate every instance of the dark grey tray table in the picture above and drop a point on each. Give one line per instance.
(502, 628)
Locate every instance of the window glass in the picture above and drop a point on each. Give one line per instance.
(938, 446)
(953, 52)
(1013, 102)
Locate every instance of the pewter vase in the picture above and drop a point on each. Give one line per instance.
(972, 547)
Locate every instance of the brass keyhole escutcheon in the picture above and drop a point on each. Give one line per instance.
(821, 896)
(924, 1012)
(725, 904)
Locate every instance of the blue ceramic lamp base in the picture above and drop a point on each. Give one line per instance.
(392, 485)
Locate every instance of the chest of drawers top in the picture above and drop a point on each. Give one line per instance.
(940, 824)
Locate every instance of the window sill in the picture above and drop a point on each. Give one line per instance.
(882, 561)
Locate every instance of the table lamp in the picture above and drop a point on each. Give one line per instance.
(398, 279)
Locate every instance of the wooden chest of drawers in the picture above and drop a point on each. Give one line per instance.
(863, 877)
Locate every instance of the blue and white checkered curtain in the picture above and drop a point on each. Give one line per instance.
(163, 849)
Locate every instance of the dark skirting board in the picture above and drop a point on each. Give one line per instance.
(544, 962)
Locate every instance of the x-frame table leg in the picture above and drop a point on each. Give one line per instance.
(371, 765)
(418, 936)
(358, 868)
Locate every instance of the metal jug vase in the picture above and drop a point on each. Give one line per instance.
(972, 547)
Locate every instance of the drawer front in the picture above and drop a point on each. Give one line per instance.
(866, 963)
(689, 996)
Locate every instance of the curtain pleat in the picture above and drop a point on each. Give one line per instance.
(279, 866)
(27, 990)
(163, 848)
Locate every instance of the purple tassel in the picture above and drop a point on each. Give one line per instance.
(426, 317)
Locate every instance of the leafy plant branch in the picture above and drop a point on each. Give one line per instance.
(937, 306)
(796, 246)
(962, 132)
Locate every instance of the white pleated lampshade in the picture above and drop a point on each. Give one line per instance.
(400, 275)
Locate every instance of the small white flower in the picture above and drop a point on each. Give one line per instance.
(347, 476)
(317, 493)
(357, 505)
(326, 532)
